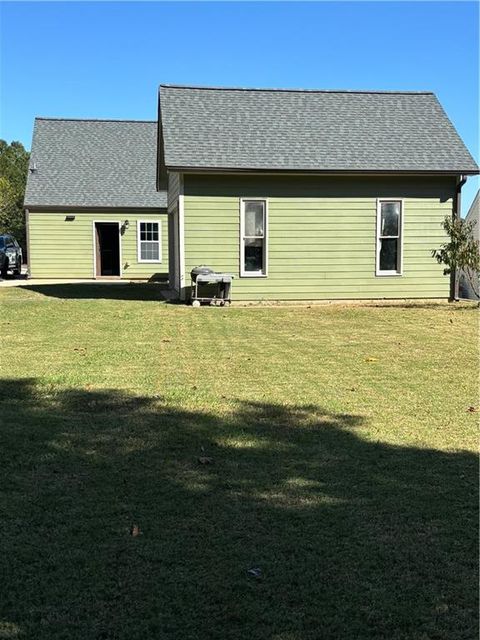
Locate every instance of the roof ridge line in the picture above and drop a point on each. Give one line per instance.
(278, 90)
(93, 119)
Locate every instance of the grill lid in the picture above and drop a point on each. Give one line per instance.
(201, 270)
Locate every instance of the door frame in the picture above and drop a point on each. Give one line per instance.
(94, 244)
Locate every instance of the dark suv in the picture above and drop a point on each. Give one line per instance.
(10, 255)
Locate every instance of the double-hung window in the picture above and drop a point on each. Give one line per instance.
(253, 238)
(149, 245)
(389, 237)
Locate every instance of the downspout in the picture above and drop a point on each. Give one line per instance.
(456, 213)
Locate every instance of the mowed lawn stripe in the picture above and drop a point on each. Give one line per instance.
(341, 462)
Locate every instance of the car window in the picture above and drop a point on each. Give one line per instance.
(9, 241)
(2, 242)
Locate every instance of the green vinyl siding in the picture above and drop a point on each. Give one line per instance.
(321, 234)
(64, 249)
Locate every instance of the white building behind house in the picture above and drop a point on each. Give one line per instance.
(465, 287)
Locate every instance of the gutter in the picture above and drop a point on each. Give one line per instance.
(317, 172)
(456, 214)
(55, 208)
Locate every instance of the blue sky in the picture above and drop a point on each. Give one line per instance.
(105, 60)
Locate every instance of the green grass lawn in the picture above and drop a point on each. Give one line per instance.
(343, 466)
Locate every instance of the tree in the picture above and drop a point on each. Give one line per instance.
(14, 161)
(461, 252)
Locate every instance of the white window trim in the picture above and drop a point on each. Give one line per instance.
(397, 272)
(159, 242)
(264, 272)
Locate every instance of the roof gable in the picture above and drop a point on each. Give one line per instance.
(93, 163)
(297, 130)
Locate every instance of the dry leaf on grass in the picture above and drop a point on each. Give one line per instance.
(80, 350)
(473, 409)
(371, 359)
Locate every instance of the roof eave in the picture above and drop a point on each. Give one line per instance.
(342, 172)
(56, 208)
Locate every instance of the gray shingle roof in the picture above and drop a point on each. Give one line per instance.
(297, 130)
(93, 163)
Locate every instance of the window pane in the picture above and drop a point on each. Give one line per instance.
(254, 218)
(390, 215)
(144, 251)
(254, 254)
(149, 251)
(149, 232)
(389, 255)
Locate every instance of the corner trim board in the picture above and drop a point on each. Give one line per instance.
(181, 236)
(27, 237)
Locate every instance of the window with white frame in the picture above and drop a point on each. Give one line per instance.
(253, 238)
(389, 237)
(149, 241)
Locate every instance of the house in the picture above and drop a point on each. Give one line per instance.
(302, 195)
(92, 207)
(465, 285)
(308, 195)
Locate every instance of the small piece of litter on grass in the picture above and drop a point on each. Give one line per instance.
(473, 409)
(205, 460)
(255, 572)
(370, 359)
(134, 530)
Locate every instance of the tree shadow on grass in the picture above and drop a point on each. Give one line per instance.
(355, 539)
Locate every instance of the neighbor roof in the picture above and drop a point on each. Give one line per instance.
(302, 130)
(93, 163)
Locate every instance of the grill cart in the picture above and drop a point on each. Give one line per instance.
(216, 286)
